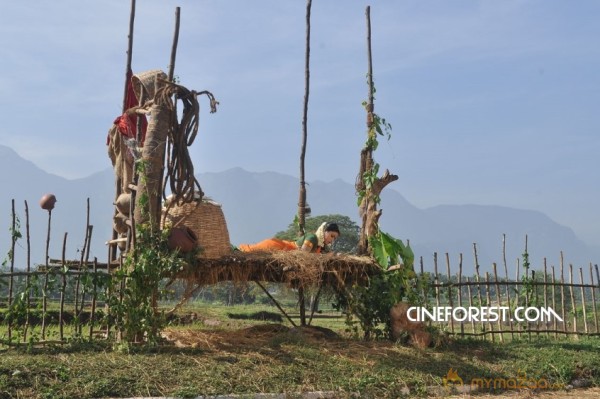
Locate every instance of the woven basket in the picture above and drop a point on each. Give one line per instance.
(147, 83)
(207, 220)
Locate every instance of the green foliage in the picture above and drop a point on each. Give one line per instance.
(346, 243)
(389, 251)
(138, 283)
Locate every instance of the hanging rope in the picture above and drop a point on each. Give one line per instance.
(180, 170)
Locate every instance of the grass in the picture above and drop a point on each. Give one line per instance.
(217, 354)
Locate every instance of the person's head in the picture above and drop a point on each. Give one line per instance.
(331, 233)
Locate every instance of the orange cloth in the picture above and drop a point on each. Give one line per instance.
(270, 244)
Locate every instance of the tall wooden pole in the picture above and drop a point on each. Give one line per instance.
(118, 182)
(302, 196)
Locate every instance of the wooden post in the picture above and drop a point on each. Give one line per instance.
(489, 302)
(12, 265)
(449, 291)
(562, 292)
(546, 324)
(63, 289)
(555, 325)
(470, 302)
(94, 298)
(478, 280)
(585, 323)
(498, 300)
(28, 269)
(460, 267)
(45, 289)
(573, 305)
(594, 305)
(436, 280)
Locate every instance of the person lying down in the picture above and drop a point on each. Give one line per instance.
(318, 242)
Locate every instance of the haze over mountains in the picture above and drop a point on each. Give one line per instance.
(257, 205)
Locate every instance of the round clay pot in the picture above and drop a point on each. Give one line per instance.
(47, 202)
(120, 223)
(182, 238)
(123, 203)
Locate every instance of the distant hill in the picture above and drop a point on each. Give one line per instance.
(257, 205)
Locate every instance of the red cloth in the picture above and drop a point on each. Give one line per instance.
(127, 124)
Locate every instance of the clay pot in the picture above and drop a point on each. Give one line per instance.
(182, 238)
(47, 202)
(123, 203)
(120, 223)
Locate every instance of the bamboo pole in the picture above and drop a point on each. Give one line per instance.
(12, 265)
(594, 304)
(28, 269)
(498, 298)
(573, 305)
(62, 292)
(546, 304)
(423, 292)
(436, 279)
(118, 182)
(450, 302)
(45, 289)
(583, 303)
(489, 302)
(507, 285)
(478, 279)
(460, 267)
(555, 324)
(470, 303)
(94, 298)
(562, 291)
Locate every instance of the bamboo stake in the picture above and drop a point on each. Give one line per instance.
(594, 304)
(62, 292)
(436, 279)
(94, 298)
(12, 265)
(498, 298)
(45, 289)
(302, 193)
(555, 325)
(425, 294)
(478, 279)
(489, 301)
(518, 288)
(562, 291)
(314, 304)
(546, 292)
(573, 306)
(470, 303)
(460, 265)
(449, 291)
(28, 269)
(118, 183)
(585, 323)
(507, 285)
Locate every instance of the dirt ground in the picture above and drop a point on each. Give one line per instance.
(262, 334)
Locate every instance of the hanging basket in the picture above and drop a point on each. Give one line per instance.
(206, 219)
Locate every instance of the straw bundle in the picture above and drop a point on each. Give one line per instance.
(206, 219)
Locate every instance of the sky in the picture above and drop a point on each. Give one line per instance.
(490, 102)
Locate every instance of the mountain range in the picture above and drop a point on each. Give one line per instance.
(257, 205)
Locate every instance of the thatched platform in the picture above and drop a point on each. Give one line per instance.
(295, 268)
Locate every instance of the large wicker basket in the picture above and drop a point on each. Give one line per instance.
(207, 220)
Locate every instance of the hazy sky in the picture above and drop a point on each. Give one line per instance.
(491, 102)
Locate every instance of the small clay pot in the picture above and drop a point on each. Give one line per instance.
(47, 202)
(182, 238)
(120, 223)
(123, 203)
